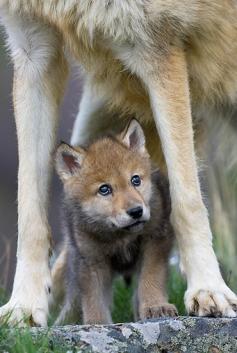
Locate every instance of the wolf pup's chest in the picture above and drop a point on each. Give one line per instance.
(125, 258)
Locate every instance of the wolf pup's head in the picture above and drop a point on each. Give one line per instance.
(110, 180)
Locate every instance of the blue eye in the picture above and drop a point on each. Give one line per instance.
(136, 180)
(105, 190)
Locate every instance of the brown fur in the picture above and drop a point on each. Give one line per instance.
(95, 250)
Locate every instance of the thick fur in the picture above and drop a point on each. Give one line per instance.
(157, 60)
(99, 242)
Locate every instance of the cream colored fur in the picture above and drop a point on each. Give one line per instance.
(155, 60)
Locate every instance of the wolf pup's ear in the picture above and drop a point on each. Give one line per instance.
(133, 136)
(68, 160)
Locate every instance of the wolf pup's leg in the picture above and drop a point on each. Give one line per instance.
(152, 298)
(167, 82)
(95, 283)
(39, 76)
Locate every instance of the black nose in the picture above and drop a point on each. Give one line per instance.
(135, 212)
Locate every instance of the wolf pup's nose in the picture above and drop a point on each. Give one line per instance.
(135, 212)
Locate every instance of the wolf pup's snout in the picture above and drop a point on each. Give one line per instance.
(135, 212)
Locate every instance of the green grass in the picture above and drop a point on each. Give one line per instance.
(16, 340)
(122, 304)
(176, 289)
(22, 341)
(3, 296)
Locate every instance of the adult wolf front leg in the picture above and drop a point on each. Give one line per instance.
(39, 75)
(166, 79)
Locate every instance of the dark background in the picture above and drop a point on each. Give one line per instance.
(9, 161)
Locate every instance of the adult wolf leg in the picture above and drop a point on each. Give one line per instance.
(86, 121)
(94, 118)
(167, 82)
(39, 76)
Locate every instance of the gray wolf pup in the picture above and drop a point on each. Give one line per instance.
(159, 61)
(117, 222)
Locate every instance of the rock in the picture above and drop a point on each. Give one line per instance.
(183, 334)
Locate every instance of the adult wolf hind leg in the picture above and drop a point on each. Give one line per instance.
(93, 118)
(167, 84)
(39, 76)
(90, 105)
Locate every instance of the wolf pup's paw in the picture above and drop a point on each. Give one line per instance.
(218, 303)
(28, 304)
(162, 310)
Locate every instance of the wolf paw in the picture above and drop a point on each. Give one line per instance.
(217, 303)
(162, 310)
(22, 316)
(28, 304)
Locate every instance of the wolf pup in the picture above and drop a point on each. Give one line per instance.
(117, 222)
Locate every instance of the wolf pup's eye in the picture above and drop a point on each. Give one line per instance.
(136, 180)
(105, 190)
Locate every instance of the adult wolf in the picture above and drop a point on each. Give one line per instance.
(152, 59)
